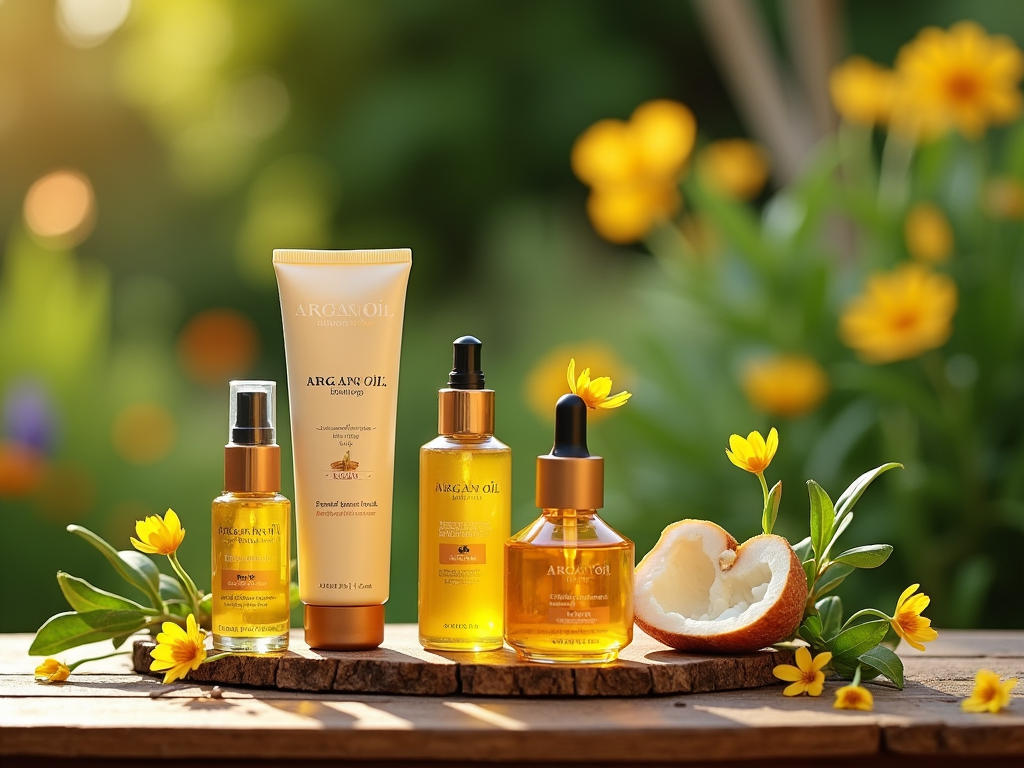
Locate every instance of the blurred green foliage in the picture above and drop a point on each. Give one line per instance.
(215, 130)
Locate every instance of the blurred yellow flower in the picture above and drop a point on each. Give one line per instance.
(990, 693)
(179, 651)
(928, 234)
(632, 168)
(784, 385)
(854, 697)
(546, 380)
(862, 91)
(908, 621)
(1003, 198)
(159, 536)
(735, 167)
(625, 214)
(806, 676)
(900, 314)
(595, 393)
(52, 671)
(753, 454)
(961, 78)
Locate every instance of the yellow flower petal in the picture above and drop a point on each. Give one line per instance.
(795, 689)
(820, 661)
(570, 375)
(815, 688)
(906, 593)
(52, 671)
(803, 659)
(788, 673)
(595, 393)
(854, 697)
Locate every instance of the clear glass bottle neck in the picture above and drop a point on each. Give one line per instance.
(580, 514)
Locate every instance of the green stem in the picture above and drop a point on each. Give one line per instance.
(217, 656)
(856, 676)
(894, 184)
(186, 580)
(764, 487)
(80, 662)
(867, 612)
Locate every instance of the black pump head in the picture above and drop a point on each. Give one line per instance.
(570, 428)
(251, 427)
(466, 372)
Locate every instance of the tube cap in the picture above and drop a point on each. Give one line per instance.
(569, 477)
(344, 627)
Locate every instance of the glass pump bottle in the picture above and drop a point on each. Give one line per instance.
(569, 583)
(465, 514)
(251, 530)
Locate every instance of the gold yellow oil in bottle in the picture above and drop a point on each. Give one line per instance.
(465, 515)
(251, 528)
(569, 585)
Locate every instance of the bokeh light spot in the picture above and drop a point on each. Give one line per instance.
(87, 23)
(143, 433)
(255, 106)
(67, 493)
(118, 524)
(60, 208)
(218, 344)
(21, 469)
(29, 416)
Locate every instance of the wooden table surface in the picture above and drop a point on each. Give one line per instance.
(107, 715)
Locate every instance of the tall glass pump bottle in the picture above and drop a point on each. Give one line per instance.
(251, 529)
(465, 514)
(569, 586)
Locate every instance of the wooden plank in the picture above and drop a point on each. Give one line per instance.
(401, 666)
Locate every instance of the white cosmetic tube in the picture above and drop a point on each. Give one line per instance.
(342, 313)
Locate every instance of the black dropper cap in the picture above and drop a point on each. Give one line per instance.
(252, 424)
(466, 372)
(570, 428)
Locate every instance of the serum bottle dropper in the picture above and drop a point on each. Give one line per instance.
(251, 529)
(569, 583)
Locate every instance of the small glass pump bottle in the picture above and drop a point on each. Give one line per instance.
(251, 529)
(569, 584)
(465, 515)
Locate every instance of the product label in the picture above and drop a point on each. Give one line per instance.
(577, 610)
(231, 580)
(462, 554)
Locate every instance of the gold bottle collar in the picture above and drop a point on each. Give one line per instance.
(570, 483)
(465, 412)
(252, 468)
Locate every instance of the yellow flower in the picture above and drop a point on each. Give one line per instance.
(900, 314)
(624, 214)
(990, 693)
(1003, 198)
(735, 167)
(854, 697)
(545, 382)
(52, 671)
(784, 385)
(862, 91)
(928, 234)
(632, 168)
(159, 536)
(806, 676)
(961, 78)
(908, 621)
(753, 454)
(594, 393)
(179, 651)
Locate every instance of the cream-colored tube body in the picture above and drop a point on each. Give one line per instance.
(343, 313)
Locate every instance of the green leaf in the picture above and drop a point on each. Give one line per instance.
(810, 568)
(67, 630)
(170, 588)
(836, 533)
(885, 662)
(822, 517)
(83, 596)
(771, 508)
(134, 567)
(858, 639)
(121, 640)
(852, 494)
(832, 577)
(871, 556)
(803, 549)
(831, 611)
(810, 632)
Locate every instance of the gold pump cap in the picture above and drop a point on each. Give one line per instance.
(252, 458)
(569, 477)
(465, 406)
